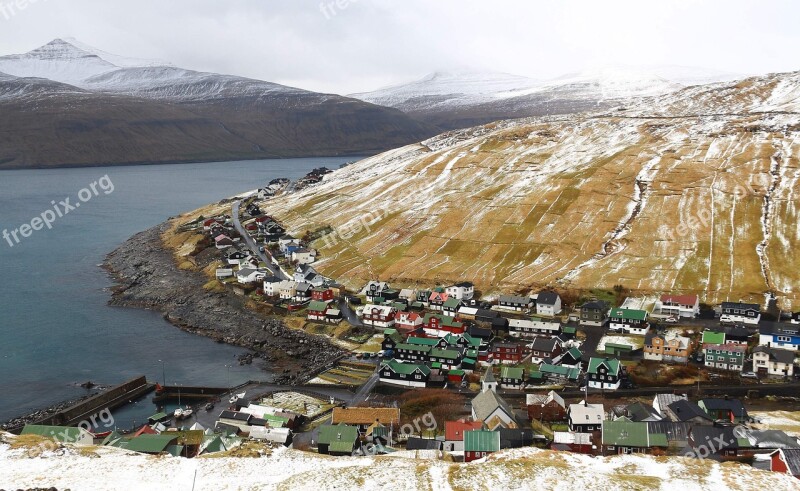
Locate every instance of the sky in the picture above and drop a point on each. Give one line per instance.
(347, 46)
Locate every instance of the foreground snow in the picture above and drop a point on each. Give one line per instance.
(113, 469)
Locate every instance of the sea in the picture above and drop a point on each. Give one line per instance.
(56, 329)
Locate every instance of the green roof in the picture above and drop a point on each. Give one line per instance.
(422, 341)
(436, 364)
(406, 368)
(158, 417)
(447, 321)
(712, 337)
(568, 330)
(631, 434)
(64, 434)
(513, 373)
(456, 372)
(629, 314)
(611, 363)
(393, 335)
(454, 338)
(545, 368)
(617, 347)
(271, 418)
(481, 441)
(339, 438)
(575, 353)
(469, 361)
(318, 305)
(413, 347)
(450, 354)
(452, 303)
(151, 443)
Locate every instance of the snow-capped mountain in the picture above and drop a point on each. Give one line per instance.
(71, 96)
(458, 99)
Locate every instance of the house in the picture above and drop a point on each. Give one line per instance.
(488, 316)
(585, 418)
(631, 321)
(270, 286)
(424, 296)
(661, 401)
(374, 290)
(776, 335)
(594, 313)
(282, 436)
(773, 361)
(286, 289)
(454, 433)
(544, 349)
(461, 291)
(507, 353)
(533, 327)
(63, 434)
(412, 352)
(512, 378)
(363, 417)
(480, 443)
(548, 303)
(222, 241)
(603, 373)
(408, 294)
(786, 460)
(493, 410)
(420, 443)
(514, 302)
(721, 441)
(571, 358)
(233, 258)
(317, 310)
(737, 335)
(740, 313)
(678, 305)
(447, 359)
(667, 347)
(247, 275)
(441, 325)
(727, 356)
(302, 292)
(572, 442)
(391, 338)
(304, 273)
(408, 321)
(640, 412)
(437, 299)
(622, 437)
(725, 409)
(338, 439)
(396, 372)
(546, 407)
(557, 374)
(304, 256)
(686, 411)
(378, 315)
(451, 306)
(222, 273)
(322, 294)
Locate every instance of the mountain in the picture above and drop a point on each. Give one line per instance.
(67, 104)
(692, 191)
(454, 100)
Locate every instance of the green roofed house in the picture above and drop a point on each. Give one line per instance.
(338, 439)
(153, 444)
(624, 437)
(412, 352)
(480, 443)
(451, 306)
(603, 373)
(558, 373)
(422, 341)
(617, 349)
(448, 358)
(512, 378)
(405, 374)
(63, 434)
(631, 321)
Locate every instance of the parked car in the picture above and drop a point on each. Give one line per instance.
(381, 354)
(671, 320)
(749, 375)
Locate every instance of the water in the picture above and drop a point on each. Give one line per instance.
(56, 330)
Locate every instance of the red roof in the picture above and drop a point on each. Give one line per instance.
(439, 296)
(679, 299)
(145, 430)
(454, 430)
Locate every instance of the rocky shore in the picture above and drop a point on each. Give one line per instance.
(147, 277)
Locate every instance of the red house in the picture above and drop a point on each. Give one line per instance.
(441, 325)
(322, 294)
(786, 460)
(507, 353)
(408, 321)
(264, 219)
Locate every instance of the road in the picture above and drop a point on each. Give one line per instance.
(364, 390)
(348, 314)
(266, 257)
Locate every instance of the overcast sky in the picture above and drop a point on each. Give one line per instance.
(360, 45)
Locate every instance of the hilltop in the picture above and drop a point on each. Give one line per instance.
(692, 191)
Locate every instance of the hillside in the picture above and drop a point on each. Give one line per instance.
(294, 470)
(66, 104)
(695, 191)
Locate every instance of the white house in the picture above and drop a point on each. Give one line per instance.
(548, 303)
(271, 284)
(378, 315)
(306, 273)
(533, 327)
(740, 313)
(462, 291)
(304, 256)
(583, 417)
(773, 361)
(631, 321)
(223, 273)
(248, 275)
(678, 305)
(374, 289)
(286, 289)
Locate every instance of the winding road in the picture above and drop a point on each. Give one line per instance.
(251, 243)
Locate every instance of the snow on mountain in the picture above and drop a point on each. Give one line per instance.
(57, 60)
(117, 60)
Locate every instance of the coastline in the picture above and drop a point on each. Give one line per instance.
(146, 277)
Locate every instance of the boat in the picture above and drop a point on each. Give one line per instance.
(178, 413)
(102, 434)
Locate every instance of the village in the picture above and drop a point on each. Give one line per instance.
(446, 370)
